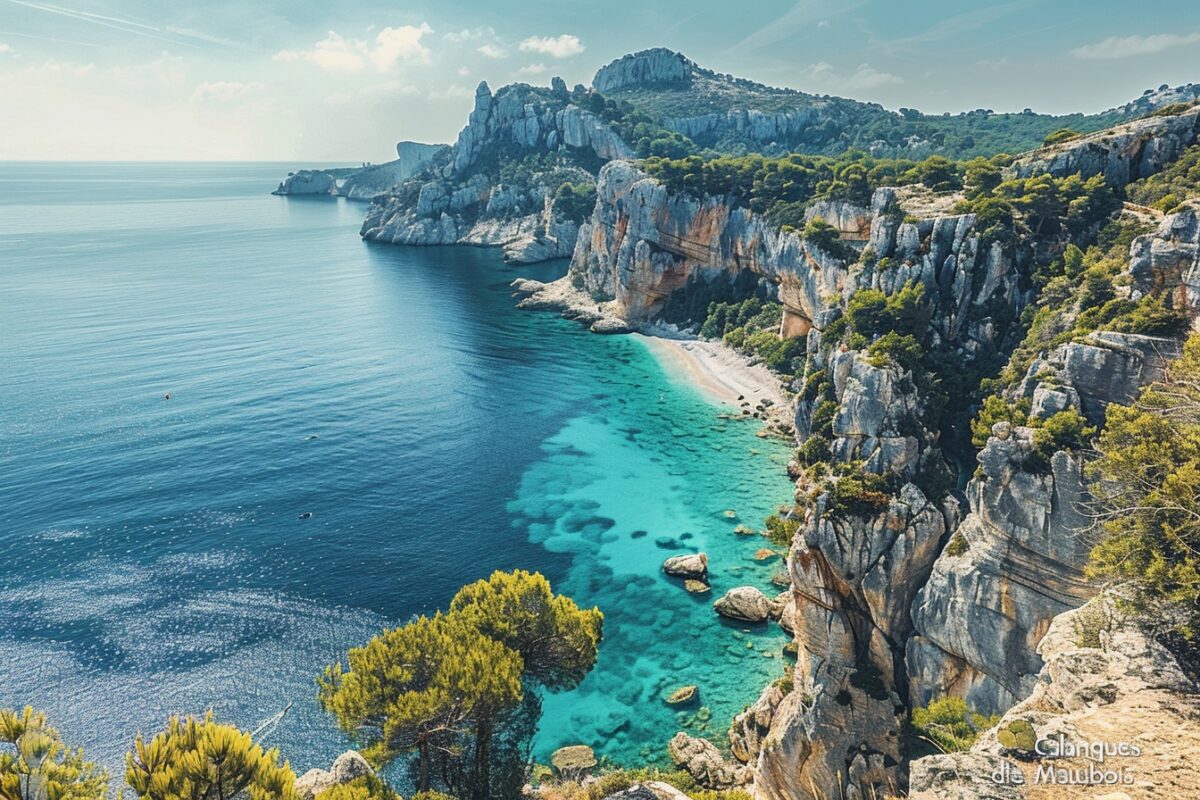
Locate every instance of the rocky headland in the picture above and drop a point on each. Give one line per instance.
(918, 591)
(941, 344)
(362, 183)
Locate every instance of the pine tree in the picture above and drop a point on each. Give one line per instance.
(39, 766)
(201, 759)
(422, 687)
(556, 639)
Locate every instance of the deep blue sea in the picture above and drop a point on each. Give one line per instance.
(154, 558)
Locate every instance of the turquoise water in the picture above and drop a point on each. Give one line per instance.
(155, 556)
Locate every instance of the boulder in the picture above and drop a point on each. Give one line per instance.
(346, 768)
(573, 762)
(745, 603)
(702, 760)
(694, 565)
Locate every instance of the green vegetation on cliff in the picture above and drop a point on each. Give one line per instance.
(1147, 488)
(950, 724)
(1168, 189)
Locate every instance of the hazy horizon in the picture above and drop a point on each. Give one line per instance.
(127, 80)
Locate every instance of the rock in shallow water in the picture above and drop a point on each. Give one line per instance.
(694, 565)
(744, 603)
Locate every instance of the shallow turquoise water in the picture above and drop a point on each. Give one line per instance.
(156, 559)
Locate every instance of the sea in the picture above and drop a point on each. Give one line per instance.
(237, 440)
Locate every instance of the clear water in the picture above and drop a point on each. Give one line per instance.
(154, 556)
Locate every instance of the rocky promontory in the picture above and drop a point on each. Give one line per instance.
(367, 181)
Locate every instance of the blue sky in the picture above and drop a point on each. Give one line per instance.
(343, 81)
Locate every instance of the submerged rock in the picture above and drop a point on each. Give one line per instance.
(696, 586)
(745, 603)
(682, 695)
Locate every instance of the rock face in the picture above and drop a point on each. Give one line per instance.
(1016, 562)
(573, 762)
(308, 182)
(1169, 259)
(346, 767)
(646, 68)
(1122, 154)
(745, 603)
(463, 202)
(1104, 682)
(642, 243)
(702, 760)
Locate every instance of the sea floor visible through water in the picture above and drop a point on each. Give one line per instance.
(158, 559)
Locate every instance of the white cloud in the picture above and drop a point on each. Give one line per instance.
(553, 46)
(1126, 46)
(463, 72)
(823, 75)
(469, 34)
(225, 91)
(492, 50)
(336, 53)
(6, 48)
(400, 44)
(532, 69)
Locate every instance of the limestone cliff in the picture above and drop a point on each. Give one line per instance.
(499, 181)
(903, 592)
(1122, 154)
(1104, 683)
(1017, 557)
(363, 183)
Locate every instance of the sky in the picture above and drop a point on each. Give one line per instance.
(336, 81)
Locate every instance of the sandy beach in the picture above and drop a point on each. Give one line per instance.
(720, 372)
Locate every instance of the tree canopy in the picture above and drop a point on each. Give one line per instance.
(458, 689)
(36, 765)
(202, 759)
(1147, 482)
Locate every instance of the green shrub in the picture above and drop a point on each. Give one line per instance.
(574, 201)
(827, 238)
(856, 492)
(892, 348)
(1061, 135)
(781, 530)
(997, 409)
(950, 724)
(1066, 430)
(815, 450)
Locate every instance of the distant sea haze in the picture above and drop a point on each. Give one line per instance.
(353, 431)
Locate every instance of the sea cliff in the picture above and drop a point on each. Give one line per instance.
(915, 590)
